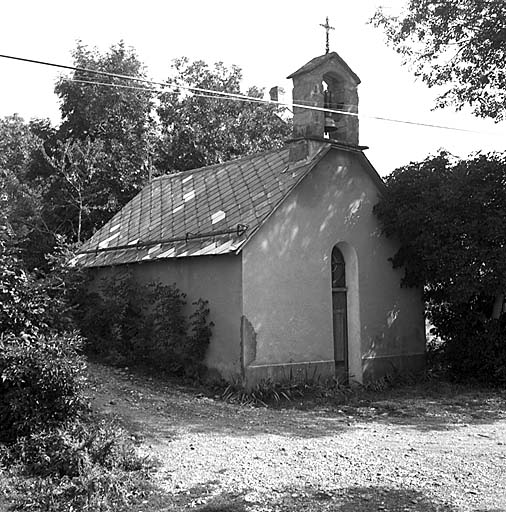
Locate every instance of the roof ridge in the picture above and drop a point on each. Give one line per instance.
(317, 61)
(220, 164)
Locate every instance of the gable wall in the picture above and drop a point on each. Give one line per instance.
(287, 297)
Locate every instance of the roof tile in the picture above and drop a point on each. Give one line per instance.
(197, 212)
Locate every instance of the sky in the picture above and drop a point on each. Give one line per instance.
(267, 39)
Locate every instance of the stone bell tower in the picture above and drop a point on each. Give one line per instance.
(326, 82)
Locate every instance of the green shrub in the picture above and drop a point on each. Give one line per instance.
(86, 466)
(71, 449)
(127, 323)
(168, 347)
(36, 302)
(473, 346)
(201, 330)
(23, 302)
(41, 379)
(478, 354)
(114, 319)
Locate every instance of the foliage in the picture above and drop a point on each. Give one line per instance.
(20, 198)
(22, 302)
(457, 44)
(114, 320)
(30, 302)
(100, 156)
(89, 465)
(170, 344)
(125, 322)
(448, 217)
(201, 330)
(41, 379)
(203, 130)
(40, 366)
(269, 392)
(77, 165)
(474, 347)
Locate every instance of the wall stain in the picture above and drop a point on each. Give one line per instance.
(248, 342)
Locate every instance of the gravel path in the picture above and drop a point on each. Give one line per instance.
(395, 451)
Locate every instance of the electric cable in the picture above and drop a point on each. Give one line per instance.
(238, 96)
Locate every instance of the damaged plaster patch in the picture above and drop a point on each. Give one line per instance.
(248, 342)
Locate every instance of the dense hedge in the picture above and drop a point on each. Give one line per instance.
(55, 455)
(473, 347)
(41, 379)
(125, 322)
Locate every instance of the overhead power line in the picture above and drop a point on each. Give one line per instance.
(216, 95)
(203, 92)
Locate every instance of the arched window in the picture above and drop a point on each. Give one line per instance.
(338, 269)
(339, 314)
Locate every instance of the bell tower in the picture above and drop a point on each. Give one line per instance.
(326, 82)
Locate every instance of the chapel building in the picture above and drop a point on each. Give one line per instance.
(285, 247)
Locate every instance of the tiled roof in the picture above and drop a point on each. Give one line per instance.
(212, 210)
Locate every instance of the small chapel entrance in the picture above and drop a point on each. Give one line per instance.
(339, 314)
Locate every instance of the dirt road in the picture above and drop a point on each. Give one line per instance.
(403, 450)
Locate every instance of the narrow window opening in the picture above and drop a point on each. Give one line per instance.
(339, 314)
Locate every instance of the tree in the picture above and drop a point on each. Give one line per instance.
(459, 44)
(200, 130)
(118, 115)
(21, 198)
(77, 164)
(17, 143)
(449, 219)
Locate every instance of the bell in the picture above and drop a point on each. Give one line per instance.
(330, 124)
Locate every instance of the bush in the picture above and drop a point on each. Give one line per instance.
(41, 380)
(85, 466)
(478, 354)
(473, 346)
(114, 319)
(127, 323)
(56, 460)
(23, 303)
(32, 302)
(72, 449)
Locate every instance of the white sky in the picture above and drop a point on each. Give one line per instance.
(267, 39)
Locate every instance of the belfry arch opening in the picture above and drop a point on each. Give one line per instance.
(334, 99)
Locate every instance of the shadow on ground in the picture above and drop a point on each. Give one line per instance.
(354, 499)
(161, 409)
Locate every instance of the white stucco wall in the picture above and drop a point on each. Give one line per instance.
(216, 279)
(286, 275)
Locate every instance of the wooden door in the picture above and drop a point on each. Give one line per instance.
(339, 315)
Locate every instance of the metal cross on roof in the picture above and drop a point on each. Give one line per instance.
(327, 28)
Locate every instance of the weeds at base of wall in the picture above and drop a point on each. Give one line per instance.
(268, 393)
(308, 391)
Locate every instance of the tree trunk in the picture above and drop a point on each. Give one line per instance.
(498, 305)
(80, 222)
